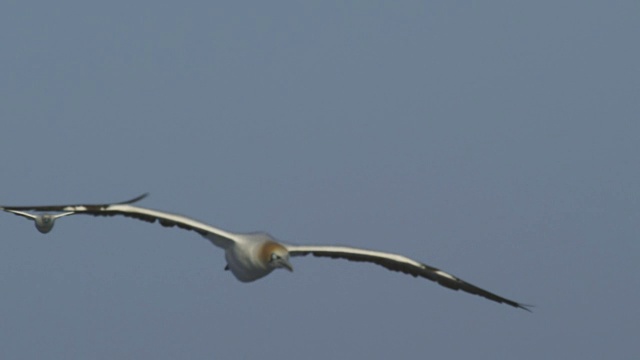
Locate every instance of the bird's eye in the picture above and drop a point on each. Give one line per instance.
(274, 257)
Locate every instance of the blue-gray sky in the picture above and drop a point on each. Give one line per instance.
(496, 140)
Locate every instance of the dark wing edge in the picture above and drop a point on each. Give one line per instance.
(146, 215)
(62, 207)
(402, 264)
(217, 236)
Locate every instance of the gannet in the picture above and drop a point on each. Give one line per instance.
(251, 256)
(44, 222)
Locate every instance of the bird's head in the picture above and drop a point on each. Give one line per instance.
(44, 223)
(276, 256)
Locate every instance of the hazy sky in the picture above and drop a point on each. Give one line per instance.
(496, 140)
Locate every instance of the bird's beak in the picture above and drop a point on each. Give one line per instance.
(286, 264)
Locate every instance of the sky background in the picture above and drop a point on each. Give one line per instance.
(496, 140)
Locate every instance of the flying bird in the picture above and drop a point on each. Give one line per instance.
(251, 256)
(44, 222)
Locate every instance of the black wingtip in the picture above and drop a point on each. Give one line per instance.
(136, 199)
(525, 307)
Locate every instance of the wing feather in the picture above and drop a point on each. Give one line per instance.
(20, 213)
(62, 207)
(217, 236)
(402, 264)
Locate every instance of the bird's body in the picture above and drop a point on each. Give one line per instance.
(248, 257)
(251, 256)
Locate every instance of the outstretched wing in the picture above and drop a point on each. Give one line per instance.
(21, 213)
(61, 207)
(400, 263)
(34, 216)
(217, 236)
